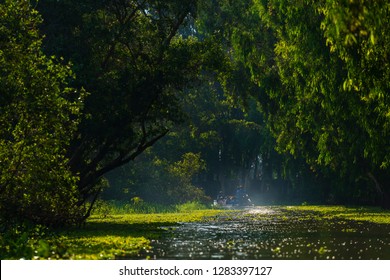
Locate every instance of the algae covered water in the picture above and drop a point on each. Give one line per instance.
(276, 233)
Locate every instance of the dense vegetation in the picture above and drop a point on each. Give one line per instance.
(38, 118)
(302, 112)
(173, 101)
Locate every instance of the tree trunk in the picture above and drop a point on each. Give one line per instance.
(384, 197)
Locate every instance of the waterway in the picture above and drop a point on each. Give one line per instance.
(273, 233)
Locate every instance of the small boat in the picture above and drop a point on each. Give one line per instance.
(234, 202)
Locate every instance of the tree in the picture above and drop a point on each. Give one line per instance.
(38, 117)
(320, 68)
(135, 58)
(355, 32)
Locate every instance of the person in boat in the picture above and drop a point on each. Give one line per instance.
(221, 198)
(239, 195)
(242, 197)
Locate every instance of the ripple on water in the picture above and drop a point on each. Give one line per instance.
(267, 232)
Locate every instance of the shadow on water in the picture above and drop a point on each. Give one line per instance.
(273, 233)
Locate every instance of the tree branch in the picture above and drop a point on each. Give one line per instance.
(175, 28)
(87, 183)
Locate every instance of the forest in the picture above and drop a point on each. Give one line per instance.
(167, 102)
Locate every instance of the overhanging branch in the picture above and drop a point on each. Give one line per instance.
(87, 183)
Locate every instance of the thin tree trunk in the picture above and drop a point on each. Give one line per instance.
(384, 196)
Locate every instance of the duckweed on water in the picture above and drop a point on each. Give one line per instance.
(296, 232)
(124, 236)
(109, 237)
(367, 214)
(305, 232)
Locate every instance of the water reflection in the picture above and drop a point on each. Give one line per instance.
(270, 233)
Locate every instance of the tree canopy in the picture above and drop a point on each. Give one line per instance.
(320, 68)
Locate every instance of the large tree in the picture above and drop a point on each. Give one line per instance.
(321, 68)
(135, 58)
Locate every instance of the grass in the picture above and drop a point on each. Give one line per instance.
(104, 208)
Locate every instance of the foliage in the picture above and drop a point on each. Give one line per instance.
(157, 181)
(320, 76)
(136, 59)
(26, 241)
(38, 117)
(228, 137)
(104, 208)
(190, 206)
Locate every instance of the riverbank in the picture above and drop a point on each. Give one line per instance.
(125, 236)
(108, 236)
(263, 232)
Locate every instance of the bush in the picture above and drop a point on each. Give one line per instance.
(191, 206)
(27, 241)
